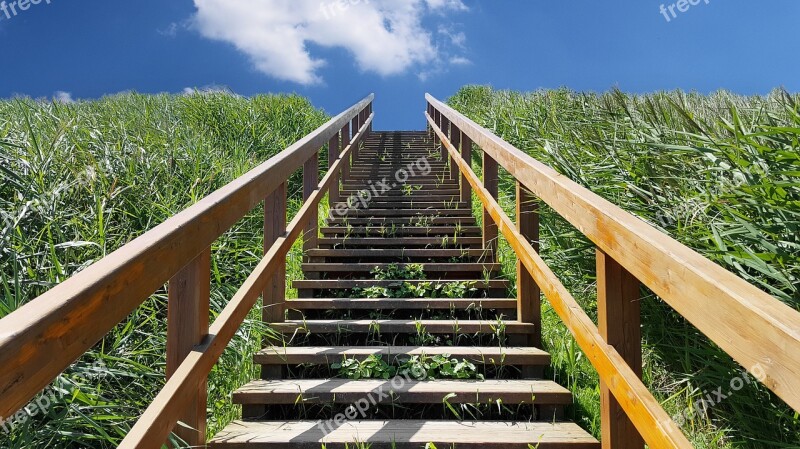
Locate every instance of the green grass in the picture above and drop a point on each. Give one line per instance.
(79, 181)
(720, 173)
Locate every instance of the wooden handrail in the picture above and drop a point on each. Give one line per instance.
(651, 419)
(160, 417)
(41, 339)
(756, 329)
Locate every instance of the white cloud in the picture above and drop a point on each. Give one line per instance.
(63, 97)
(460, 60)
(386, 37)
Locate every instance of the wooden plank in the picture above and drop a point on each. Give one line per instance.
(405, 252)
(401, 326)
(438, 242)
(310, 185)
(338, 284)
(160, 417)
(619, 321)
(491, 178)
(402, 391)
(334, 145)
(273, 299)
(405, 434)
(466, 154)
(455, 138)
(426, 267)
(42, 338)
(655, 426)
(380, 231)
(714, 300)
(494, 355)
(189, 295)
(529, 307)
(402, 303)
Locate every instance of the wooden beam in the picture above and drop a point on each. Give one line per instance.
(713, 299)
(490, 183)
(41, 339)
(466, 154)
(655, 425)
(529, 303)
(346, 139)
(333, 154)
(456, 139)
(187, 325)
(310, 185)
(619, 319)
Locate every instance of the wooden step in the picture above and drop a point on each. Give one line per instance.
(401, 253)
(283, 355)
(338, 284)
(402, 390)
(400, 304)
(399, 221)
(403, 434)
(405, 242)
(426, 267)
(409, 213)
(399, 193)
(402, 326)
(394, 230)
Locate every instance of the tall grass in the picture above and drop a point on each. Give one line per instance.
(78, 181)
(720, 173)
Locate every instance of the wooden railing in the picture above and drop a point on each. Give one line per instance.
(41, 339)
(756, 329)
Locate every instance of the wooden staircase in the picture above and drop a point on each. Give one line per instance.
(422, 222)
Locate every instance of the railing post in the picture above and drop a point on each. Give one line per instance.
(455, 138)
(619, 319)
(445, 126)
(346, 162)
(437, 118)
(466, 154)
(187, 324)
(354, 127)
(274, 295)
(310, 184)
(490, 182)
(529, 307)
(333, 155)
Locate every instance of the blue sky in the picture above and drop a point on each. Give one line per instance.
(398, 49)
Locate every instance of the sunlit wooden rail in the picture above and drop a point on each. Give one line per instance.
(757, 330)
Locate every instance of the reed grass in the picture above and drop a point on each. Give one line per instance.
(78, 181)
(720, 173)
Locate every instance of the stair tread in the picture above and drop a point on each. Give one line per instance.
(403, 326)
(403, 390)
(402, 434)
(321, 354)
(348, 267)
(400, 303)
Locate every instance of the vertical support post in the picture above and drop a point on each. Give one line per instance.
(187, 324)
(445, 126)
(437, 118)
(490, 182)
(310, 184)
(346, 162)
(455, 138)
(466, 154)
(354, 127)
(619, 318)
(274, 295)
(333, 155)
(529, 306)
